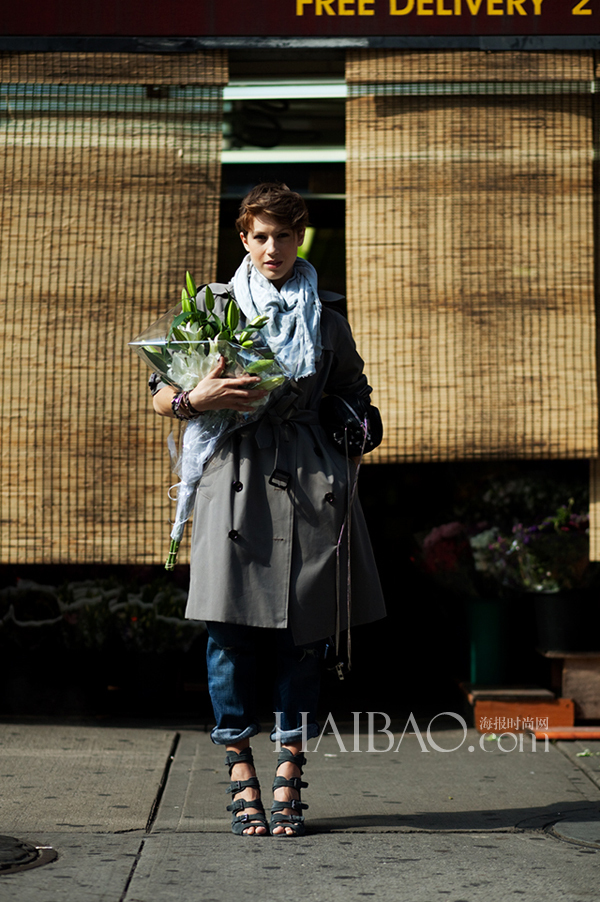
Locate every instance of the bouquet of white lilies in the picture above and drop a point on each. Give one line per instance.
(183, 347)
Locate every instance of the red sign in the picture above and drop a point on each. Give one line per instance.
(300, 18)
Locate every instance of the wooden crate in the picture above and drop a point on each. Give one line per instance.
(580, 680)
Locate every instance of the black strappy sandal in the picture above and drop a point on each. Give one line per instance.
(278, 819)
(241, 822)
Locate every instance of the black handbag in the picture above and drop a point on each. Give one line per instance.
(352, 424)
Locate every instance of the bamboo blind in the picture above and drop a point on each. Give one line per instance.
(110, 167)
(409, 66)
(595, 510)
(470, 251)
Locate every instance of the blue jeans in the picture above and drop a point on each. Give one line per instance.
(232, 658)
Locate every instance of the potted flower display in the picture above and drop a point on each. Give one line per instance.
(550, 560)
(454, 561)
(497, 569)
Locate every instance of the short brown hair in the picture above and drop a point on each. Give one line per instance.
(273, 199)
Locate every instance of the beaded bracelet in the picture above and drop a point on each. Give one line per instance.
(182, 408)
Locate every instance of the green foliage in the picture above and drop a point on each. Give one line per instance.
(100, 614)
(192, 326)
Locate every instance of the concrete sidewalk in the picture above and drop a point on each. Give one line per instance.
(137, 813)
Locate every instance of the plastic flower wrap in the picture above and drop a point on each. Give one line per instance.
(183, 346)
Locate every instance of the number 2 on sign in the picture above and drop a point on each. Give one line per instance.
(579, 9)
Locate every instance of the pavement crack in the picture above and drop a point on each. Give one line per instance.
(163, 782)
(136, 860)
(581, 768)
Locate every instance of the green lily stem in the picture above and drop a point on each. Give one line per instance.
(172, 555)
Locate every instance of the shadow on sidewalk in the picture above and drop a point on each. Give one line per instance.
(506, 819)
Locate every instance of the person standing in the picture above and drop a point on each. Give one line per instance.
(271, 545)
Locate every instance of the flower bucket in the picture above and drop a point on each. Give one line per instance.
(487, 634)
(568, 621)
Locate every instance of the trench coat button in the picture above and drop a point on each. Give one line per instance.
(234, 534)
(329, 498)
(237, 486)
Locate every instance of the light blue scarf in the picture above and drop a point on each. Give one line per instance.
(293, 332)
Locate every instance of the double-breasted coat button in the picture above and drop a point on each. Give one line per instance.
(237, 486)
(329, 497)
(234, 534)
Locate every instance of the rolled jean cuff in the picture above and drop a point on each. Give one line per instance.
(286, 736)
(229, 736)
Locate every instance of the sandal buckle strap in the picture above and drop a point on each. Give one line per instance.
(292, 783)
(286, 757)
(297, 805)
(243, 757)
(239, 785)
(294, 804)
(236, 806)
(240, 804)
(279, 818)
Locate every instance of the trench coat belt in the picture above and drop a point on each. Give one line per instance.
(276, 422)
(279, 421)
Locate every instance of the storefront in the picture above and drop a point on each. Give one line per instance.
(447, 150)
(458, 137)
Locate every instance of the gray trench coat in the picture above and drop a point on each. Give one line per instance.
(266, 556)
